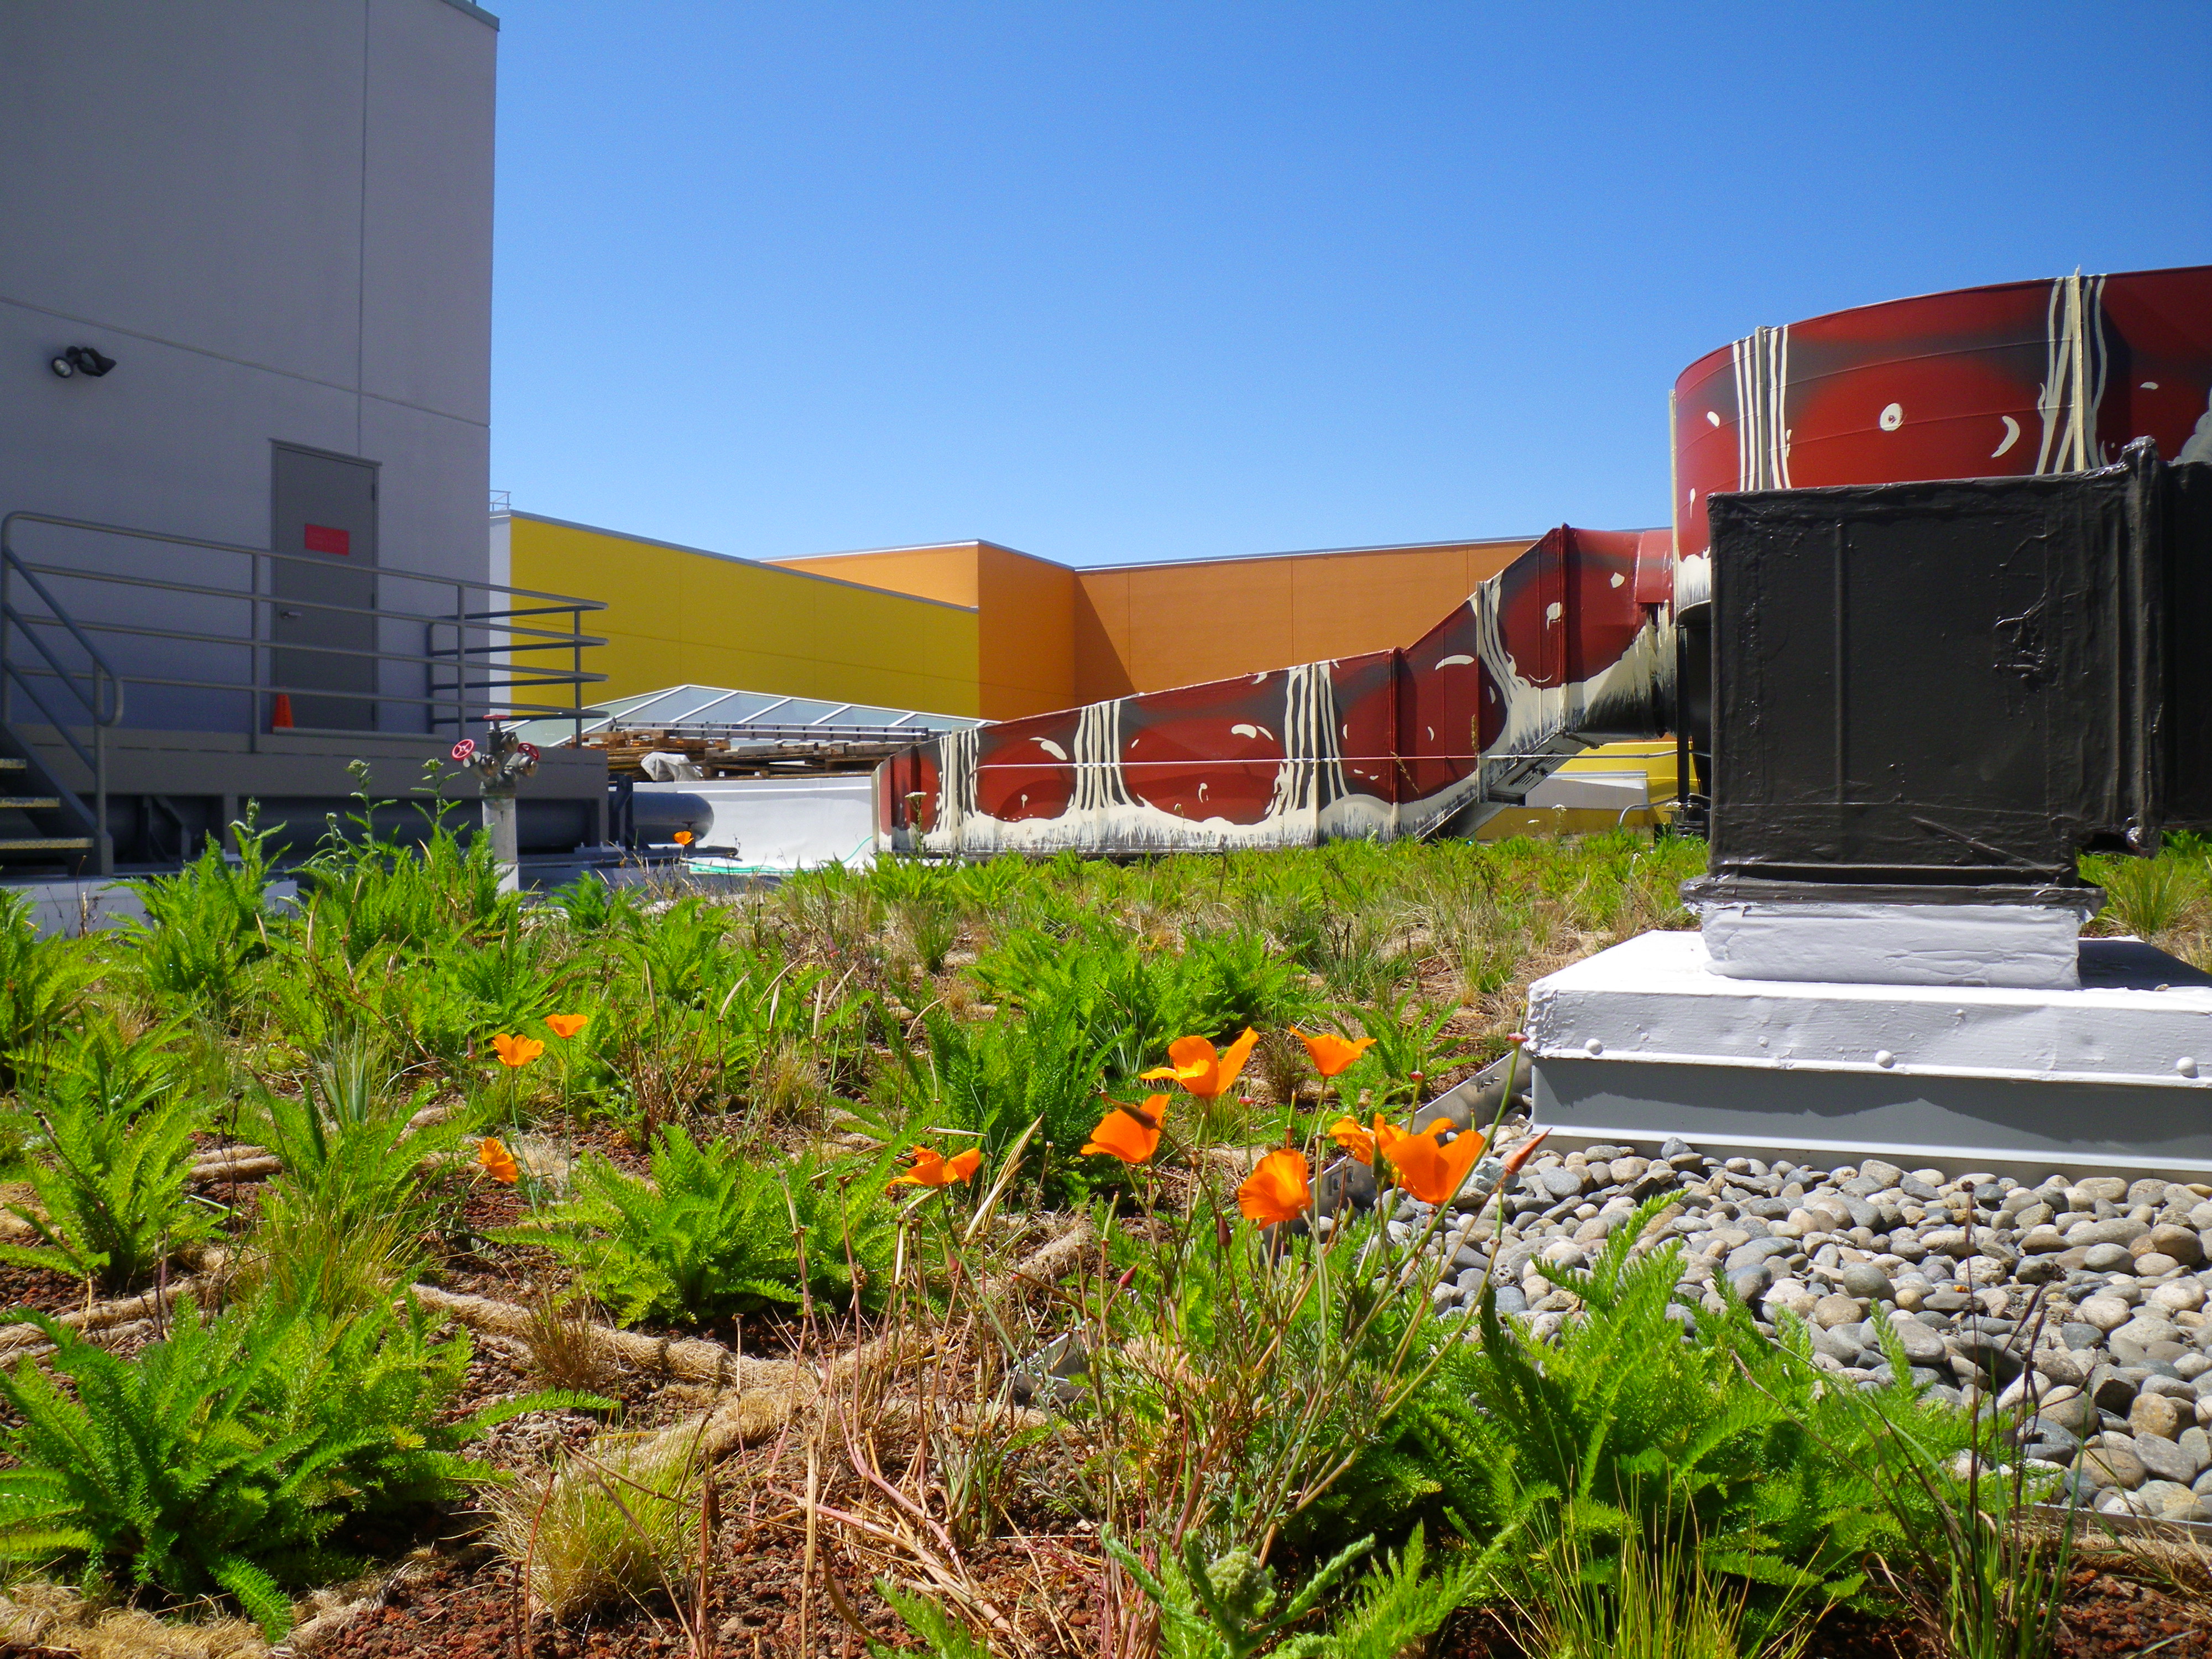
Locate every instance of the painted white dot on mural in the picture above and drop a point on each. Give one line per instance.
(1893, 418)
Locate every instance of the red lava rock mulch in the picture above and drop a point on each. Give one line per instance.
(47, 1292)
(466, 1606)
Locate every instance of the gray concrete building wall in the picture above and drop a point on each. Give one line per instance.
(276, 216)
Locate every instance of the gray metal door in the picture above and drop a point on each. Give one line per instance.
(325, 508)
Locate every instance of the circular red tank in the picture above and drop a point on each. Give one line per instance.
(2018, 378)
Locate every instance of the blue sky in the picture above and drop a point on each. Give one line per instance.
(1140, 281)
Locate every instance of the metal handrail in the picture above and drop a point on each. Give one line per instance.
(491, 637)
(454, 695)
(157, 585)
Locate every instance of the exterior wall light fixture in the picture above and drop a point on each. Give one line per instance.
(81, 359)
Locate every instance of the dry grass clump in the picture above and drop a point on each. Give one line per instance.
(53, 1619)
(616, 1521)
(564, 1343)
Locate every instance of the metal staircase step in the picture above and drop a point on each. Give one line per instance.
(30, 803)
(45, 844)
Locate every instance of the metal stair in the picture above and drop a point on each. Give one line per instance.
(46, 827)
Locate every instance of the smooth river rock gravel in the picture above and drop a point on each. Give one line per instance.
(2079, 1301)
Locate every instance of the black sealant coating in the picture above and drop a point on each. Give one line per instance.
(1962, 682)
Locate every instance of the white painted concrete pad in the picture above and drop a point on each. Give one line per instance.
(1646, 1039)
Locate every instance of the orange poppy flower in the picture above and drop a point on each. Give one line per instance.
(496, 1161)
(516, 1050)
(1276, 1190)
(565, 1026)
(1199, 1069)
(932, 1169)
(1131, 1134)
(1331, 1054)
(1347, 1133)
(682, 837)
(1432, 1173)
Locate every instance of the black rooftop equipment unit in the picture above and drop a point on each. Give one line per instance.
(1948, 691)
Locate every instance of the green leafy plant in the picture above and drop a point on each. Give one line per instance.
(344, 1222)
(1230, 1608)
(1130, 1002)
(1624, 1426)
(348, 1140)
(204, 925)
(366, 892)
(111, 1198)
(685, 954)
(941, 1635)
(43, 983)
(1227, 1608)
(1401, 1604)
(593, 904)
(718, 1230)
(108, 1068)
(225, 1454)
(1411, 1049)
(1237, 979)
(987, 1082)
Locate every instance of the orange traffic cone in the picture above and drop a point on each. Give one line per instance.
(280, 714)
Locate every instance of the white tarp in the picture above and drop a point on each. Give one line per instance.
(785, 823)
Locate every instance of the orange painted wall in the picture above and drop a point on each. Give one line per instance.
(1025, 643)
(1025, 609)
(1049, 637)
(1141, 628)
(948, 571)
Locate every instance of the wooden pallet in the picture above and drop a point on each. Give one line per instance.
(626, 751)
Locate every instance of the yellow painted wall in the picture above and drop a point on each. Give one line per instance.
(1653, 756)
(678, 615)
(1026, 608)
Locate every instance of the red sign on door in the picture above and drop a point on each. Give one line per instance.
(327, 538)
